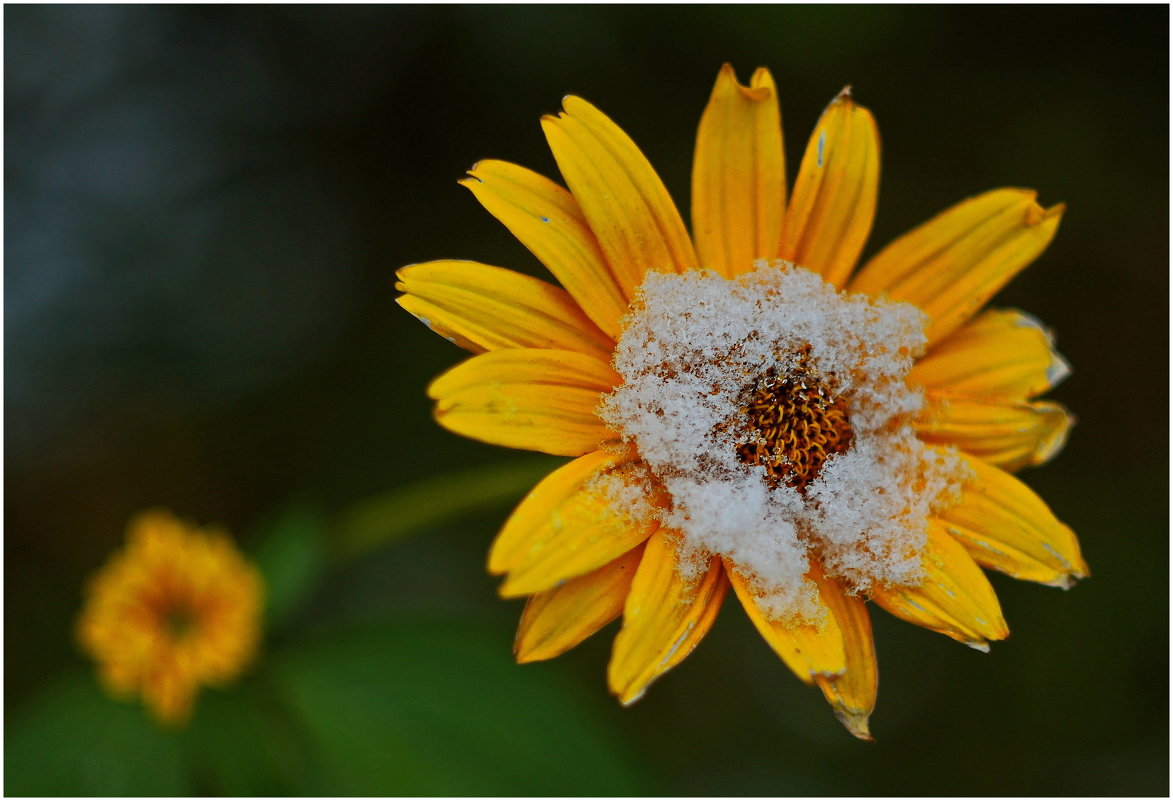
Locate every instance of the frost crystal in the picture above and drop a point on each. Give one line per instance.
(695, 346)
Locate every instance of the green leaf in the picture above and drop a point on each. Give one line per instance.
(72, 740)
(291, 555)
(410, 508)
(427, 708)
(237, 744)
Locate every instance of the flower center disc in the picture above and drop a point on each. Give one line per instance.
(799, 425)
(179, 622)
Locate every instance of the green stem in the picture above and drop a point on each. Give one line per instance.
(408, 509)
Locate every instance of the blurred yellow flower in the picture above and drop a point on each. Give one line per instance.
(178, 607)
(746, 408)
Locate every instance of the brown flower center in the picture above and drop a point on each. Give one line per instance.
(797, 424)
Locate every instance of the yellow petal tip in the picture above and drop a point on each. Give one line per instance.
(629, 698)
(1056, 211)
(815, 675)
(523, 655)
(989, 633)
(758, 89)
(856, 723)
(509, 589)
(1066, 581)
(626, 689)
(402, 272)
(470, 179)
(1036, 214)
(572, 104)
(761, 77)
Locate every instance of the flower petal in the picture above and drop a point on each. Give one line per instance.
(627, 206)
(556, 620)
(1010, 435)
(541, 400)
(1001, 354)
(569, 524)
(547, 219)
(807, 649)
(834, 201)
(664, 618)
(1005, 526)
(486, 308)
(170, 695)
(852, 693)
(954, 263)
(955, 598)
(739, 174)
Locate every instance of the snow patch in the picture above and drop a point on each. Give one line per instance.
(694, 344)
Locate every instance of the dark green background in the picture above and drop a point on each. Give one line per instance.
(204, 207)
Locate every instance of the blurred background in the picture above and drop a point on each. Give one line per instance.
(204, 209)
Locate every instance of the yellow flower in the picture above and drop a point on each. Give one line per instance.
(746, 408)
(177, 608)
